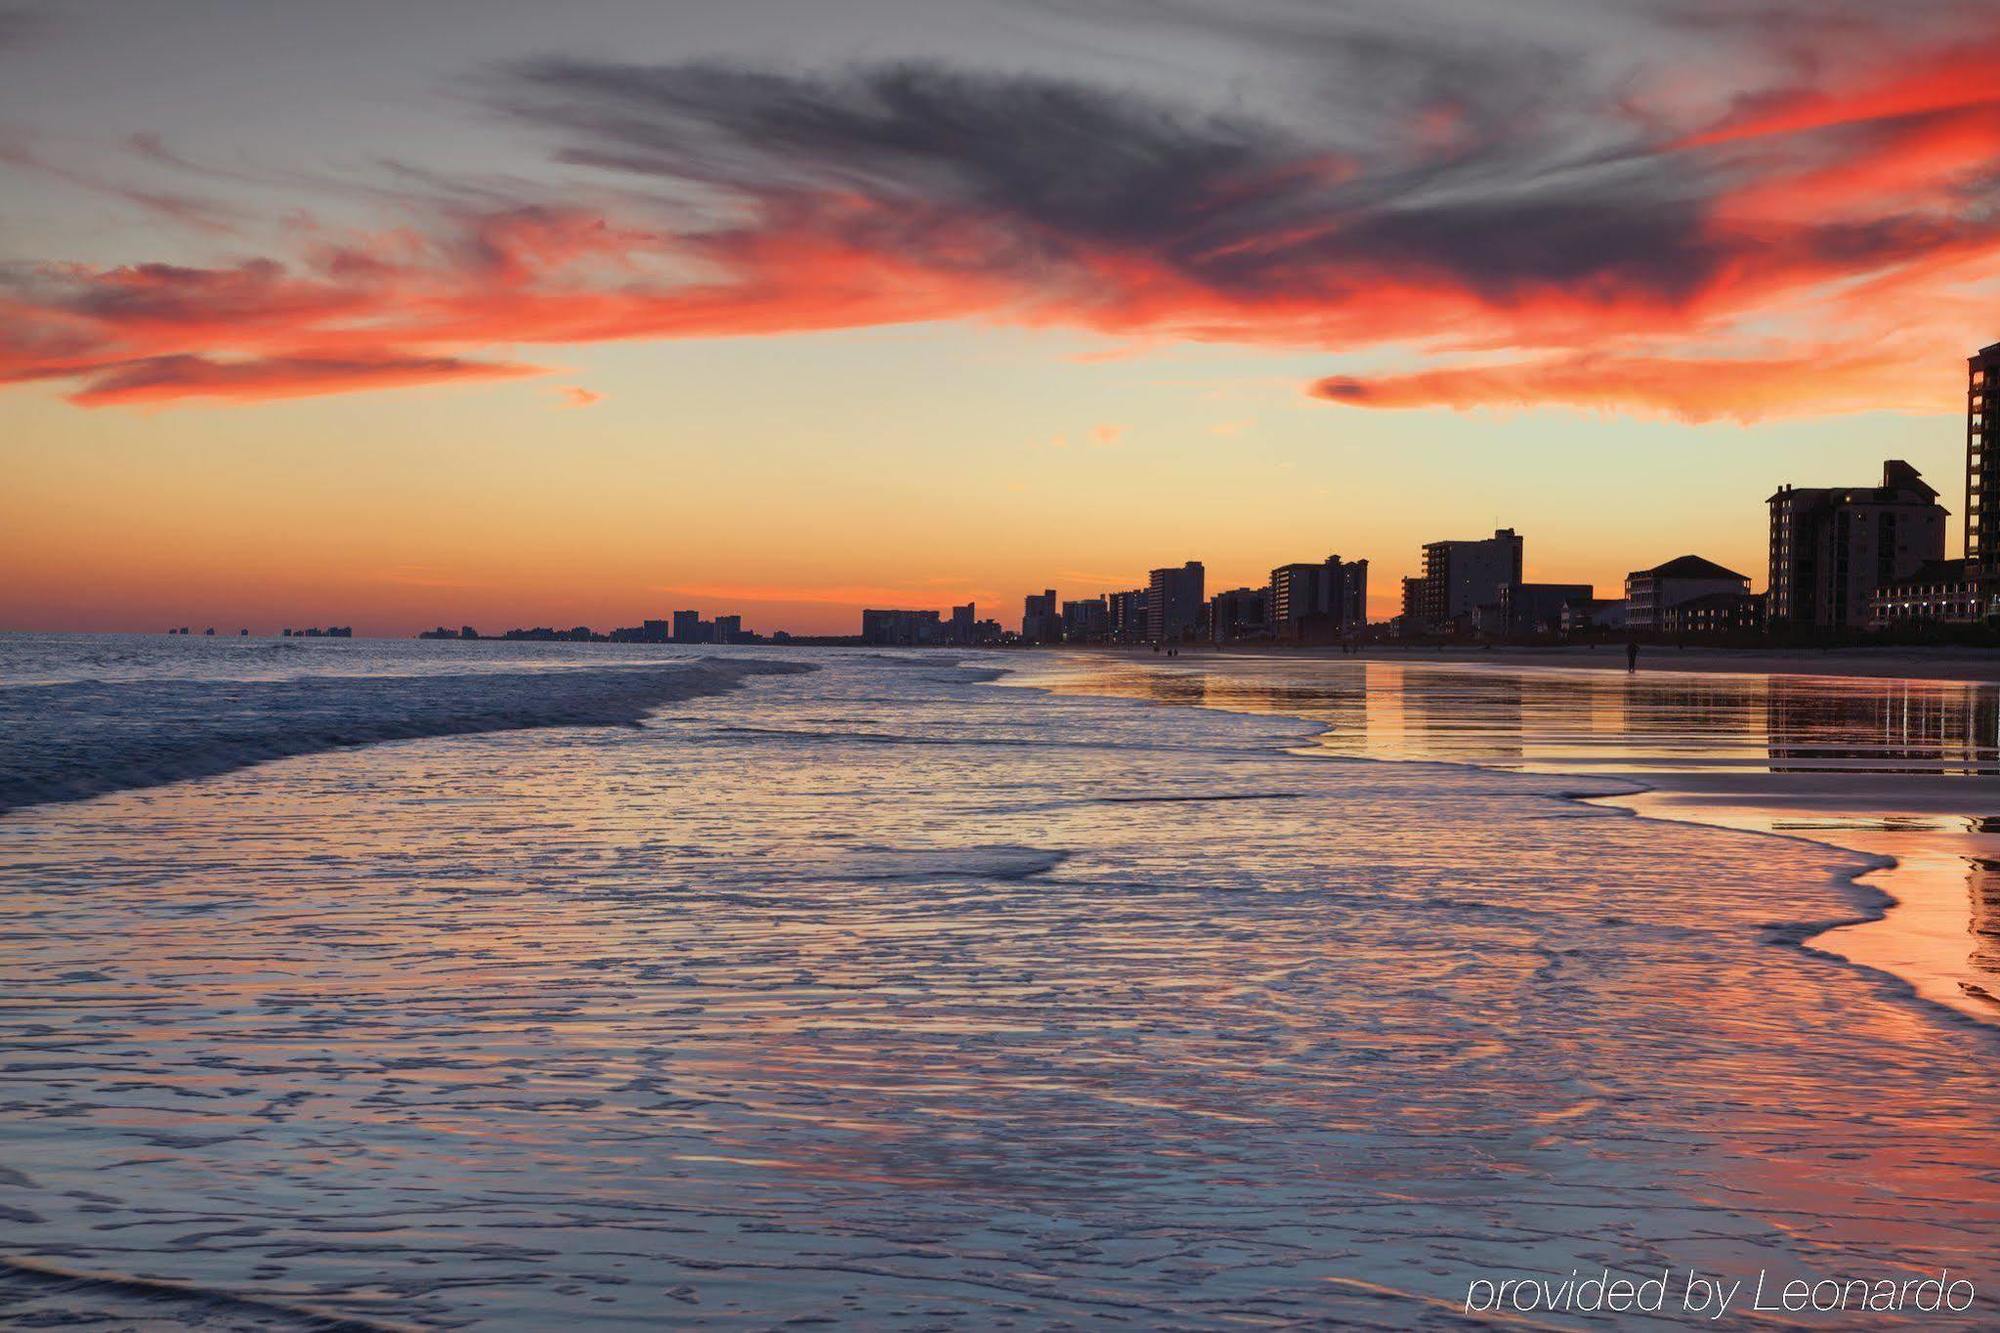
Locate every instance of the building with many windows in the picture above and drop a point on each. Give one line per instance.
(1174, 602)
(1041, 618)
(1832, 547)
(1324, 600)
(1086, 621)
(1982, 461)
(1649, 593)
(1947, 591)
(1240, 613)
(1128, 615)
(1459, 577)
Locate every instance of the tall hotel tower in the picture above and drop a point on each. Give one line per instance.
(1982, 463)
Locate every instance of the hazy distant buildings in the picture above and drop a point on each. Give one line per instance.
(1458, 578)
(901, 629)
(1041, 618)
(1174, 602)
(1318, 601)
(1833, 547)
(1086, 621)
(1651, 592)
(729, 629)
(688, 627)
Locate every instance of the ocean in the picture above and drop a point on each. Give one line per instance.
(368, 984)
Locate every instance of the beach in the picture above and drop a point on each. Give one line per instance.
(913, 989)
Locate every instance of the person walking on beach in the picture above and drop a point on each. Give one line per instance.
(1632, 656)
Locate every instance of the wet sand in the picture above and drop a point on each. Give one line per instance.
(1898, 769)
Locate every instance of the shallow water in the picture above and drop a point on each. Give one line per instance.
(883, 994)
(1900, 770)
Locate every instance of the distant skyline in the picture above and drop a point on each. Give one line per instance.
(400, 314)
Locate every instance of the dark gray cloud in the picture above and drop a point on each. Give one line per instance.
(1240, 203)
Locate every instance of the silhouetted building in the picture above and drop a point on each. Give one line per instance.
(729, 629)
(1831, 548)
(1041, 618)
(688, 627)
(963, 629)
(1240, 613)
(1331, 595)
(1128, 615)
(1459, 577)
(1594, 613)
(1982, 463)
(1174, 602)
(903, 629)
(1537, 608)
(1946, 591)
(1713, 613)
(1648, 592)
(1087, 621)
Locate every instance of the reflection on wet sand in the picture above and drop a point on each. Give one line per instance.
(1876, 765)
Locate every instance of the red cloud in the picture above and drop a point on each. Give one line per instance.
(1847, 227)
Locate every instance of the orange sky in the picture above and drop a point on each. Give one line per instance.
(585, 323)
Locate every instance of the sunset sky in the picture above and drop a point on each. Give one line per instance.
(395, 314)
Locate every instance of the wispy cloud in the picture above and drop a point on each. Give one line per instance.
(1557, 207)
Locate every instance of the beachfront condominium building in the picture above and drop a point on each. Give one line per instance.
(1833, 547)
(1086, 621)
(1240, 613)
(1174, 602)
(964, 625)
(1982, 462)
(1459, 577)
(728, 629)
(1041, 618)
(688, 627)
(1128, 615)
(1325, 600)
(1649, 592)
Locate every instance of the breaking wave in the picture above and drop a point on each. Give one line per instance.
(75, 740)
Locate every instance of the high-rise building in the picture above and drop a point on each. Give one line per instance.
(1833, 547)
(1240, 613)
(1982, 462)
(1174, 602)
(1086, 621)
(728, 629)
(1127, 615)
(1460, 577)
(1041, 618)
(1331, 596)
(688, 627)
(963, 628)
